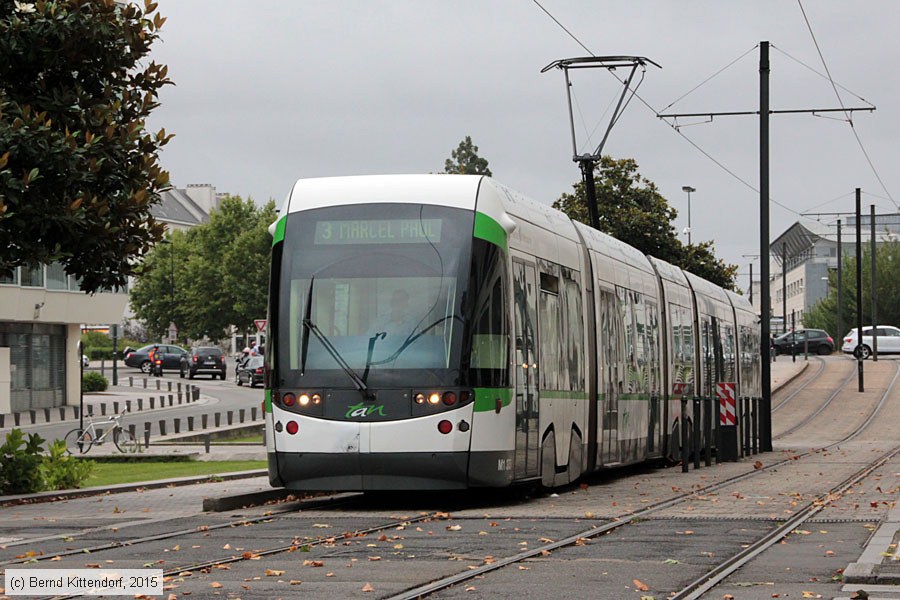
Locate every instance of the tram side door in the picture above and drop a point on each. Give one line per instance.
(525, 299)
(610, 345)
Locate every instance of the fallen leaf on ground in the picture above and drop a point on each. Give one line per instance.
(640, 585)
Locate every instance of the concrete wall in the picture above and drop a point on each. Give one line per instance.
(5, 381)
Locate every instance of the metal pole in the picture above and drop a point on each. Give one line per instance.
(793, 337)
(765, 424)
(80, 387)
(784, 286)
(874, 289)
(115, 354)
(859, 315)
(751, 284)
(840, 285)
(590, 192)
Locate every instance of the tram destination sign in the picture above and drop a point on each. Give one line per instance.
(378, 231)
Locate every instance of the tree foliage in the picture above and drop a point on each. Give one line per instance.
(823, 314)
(219, 271)
(465, 160)
(631, 209)
(78, 169)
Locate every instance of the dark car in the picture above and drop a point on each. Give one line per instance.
(815, 340)
(140, 358)
(251, 372)
(205, 359)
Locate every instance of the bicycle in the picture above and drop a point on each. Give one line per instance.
(80, 441)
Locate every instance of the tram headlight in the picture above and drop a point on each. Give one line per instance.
(420, 398)
(434, 398)
(304, 400)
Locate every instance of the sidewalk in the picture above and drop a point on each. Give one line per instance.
(784, 370)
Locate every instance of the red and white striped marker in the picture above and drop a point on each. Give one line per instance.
(727, 411)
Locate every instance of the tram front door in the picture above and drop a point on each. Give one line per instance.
(524, 289)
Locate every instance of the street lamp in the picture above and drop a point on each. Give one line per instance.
(688, 189)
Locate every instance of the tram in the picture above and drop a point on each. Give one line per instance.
(445, 332)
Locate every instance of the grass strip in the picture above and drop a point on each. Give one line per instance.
(113, 473)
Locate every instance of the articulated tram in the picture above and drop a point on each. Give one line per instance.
(444, 331)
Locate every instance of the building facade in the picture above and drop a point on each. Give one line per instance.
(42, 312)
(803, 257)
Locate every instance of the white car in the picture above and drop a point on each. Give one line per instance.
(888, 340)
(84, 361)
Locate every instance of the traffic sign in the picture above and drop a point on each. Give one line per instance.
(260, 324)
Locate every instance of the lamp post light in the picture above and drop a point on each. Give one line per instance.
(688, 189)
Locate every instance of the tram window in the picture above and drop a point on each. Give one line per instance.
(549, 283)
(549, 340)
(489, 337)
(573, 348)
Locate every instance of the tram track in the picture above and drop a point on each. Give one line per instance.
(821, 408)
(803, 384)
(703, 584)
(568, 541)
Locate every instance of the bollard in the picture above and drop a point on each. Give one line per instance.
(90, 410)
(145, 383)
(754, 423)
(206, 442)
(103, 409)
(252, 413)
(707, 430)
(140, 403)
(132, 429)
(241, 415)
(99, 434)
(162, 427)
(685, 451)
(77, 411)
(147, 437)
(62, 414)
(230, 415)
(171, 400)
(46, 415)
(697, 431)
(130, 381)
(195, 393)
(2, 421)
(158, 385)
(177, 425)
(217, 419)
(128, 406)
(204, 420)
(169, 383)
(179, 387)
(190, 421)
(746, 424)
(33, 415)
(116, 407)
(152, 402)
(179, 400)
(16, 418)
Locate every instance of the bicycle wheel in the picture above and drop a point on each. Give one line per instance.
(125, 442)
(78, 441)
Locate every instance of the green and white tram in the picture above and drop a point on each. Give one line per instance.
(443, 331)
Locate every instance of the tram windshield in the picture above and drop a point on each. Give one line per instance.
(376, 287)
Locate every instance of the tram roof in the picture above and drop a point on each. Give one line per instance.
(458, 191)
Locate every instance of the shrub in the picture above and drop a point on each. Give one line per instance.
(64, 472)
(25, 470)
(93, 381)
(20, 463)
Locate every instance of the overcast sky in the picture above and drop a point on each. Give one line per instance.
(267, 92)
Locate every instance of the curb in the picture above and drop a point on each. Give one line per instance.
(126, 487)
(791, 379)
(225, 503)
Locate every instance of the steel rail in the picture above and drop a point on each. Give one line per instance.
(808, 380)
(818, 411)
(443, 583)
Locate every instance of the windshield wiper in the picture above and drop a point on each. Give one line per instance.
(309, 325)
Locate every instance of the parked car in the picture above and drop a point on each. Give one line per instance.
(205, 359)
(888, 340)
(140, 358)
(252, 372)
(816, 341)
(85, 362)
